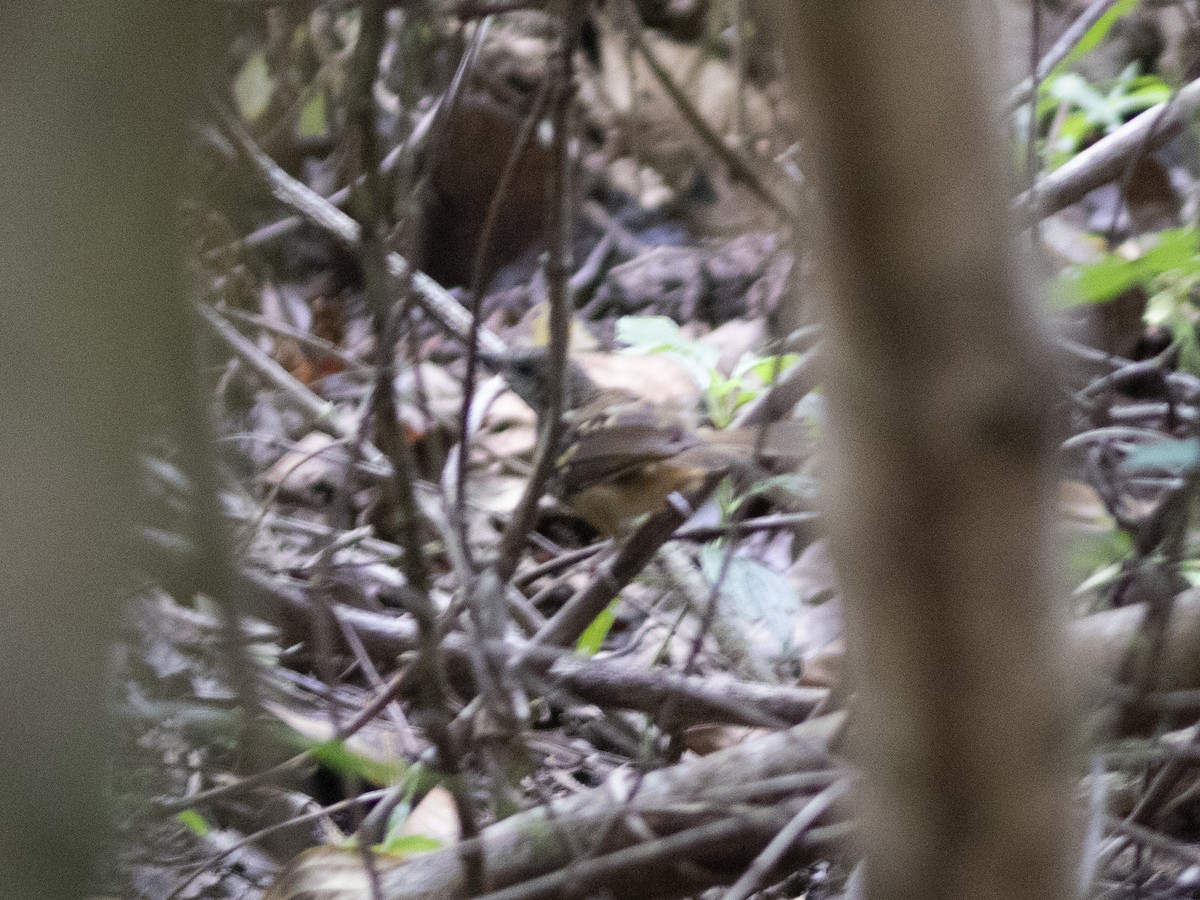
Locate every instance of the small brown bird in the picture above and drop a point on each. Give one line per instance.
(622, 456)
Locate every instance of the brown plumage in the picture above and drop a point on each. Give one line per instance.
(621, 456)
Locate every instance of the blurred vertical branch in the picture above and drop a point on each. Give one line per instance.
(93, 97)
(939, 392)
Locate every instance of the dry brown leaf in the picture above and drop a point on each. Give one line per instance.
(371, 742)
(436, 816)
(440, 392)
(537, 322)
(315, 463)
(1079, 503)
(646, 124)
(1149, 195)
(644, 184)
(825, 667)
(326, 873)
(496, 494)
(706, 739)
(648, 121)
(517, 441)
(817, 622)
(734, 339)
(655, 378)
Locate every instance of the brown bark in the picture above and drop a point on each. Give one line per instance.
(938, 391)
(88, 102)
(599, 841)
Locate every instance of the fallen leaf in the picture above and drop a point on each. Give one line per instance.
(316, 463)
(326, 873)
(706, 739)
(436, 816)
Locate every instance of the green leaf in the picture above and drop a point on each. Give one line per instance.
(720, 399)
(659, 334)
(790, 484)
(1098, 32)
(337, 756)
(253, 86)
(1150, 86)
(416, 778)
(1170, 454)
(1075, 91)
(313, 122)
(770, 367)
(593, 636)
(1190, 570)
(1142, 94)
(1112, 275)
(1093, 554)
(753, 591)
(194, 822)
(410, 845)
(651, 333)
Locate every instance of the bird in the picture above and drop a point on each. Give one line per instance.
(620, 456)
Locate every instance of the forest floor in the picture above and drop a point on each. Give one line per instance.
(429, 649)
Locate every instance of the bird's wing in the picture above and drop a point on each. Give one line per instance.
(605, 443)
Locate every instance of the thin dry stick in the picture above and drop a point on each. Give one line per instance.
(785, 392)
(1056, 54)
(473, 9)
(564, 560)
(1130, 168)
(404, 731)
(709, 614)
(738, 168)
(1031, 131)
(576, 614)
(324, 812)
(398, 683)
(295, 334)
(1106, 159)
(378, 277)
(689, 842)
(802, 522)
(737, 15)
(482, 255)
(558, 241)
(424, 127)
(692, 697)
(320, 412)
(488, 601)
(1154, 840)
(804, 819)
(431, 296)
(604, 683)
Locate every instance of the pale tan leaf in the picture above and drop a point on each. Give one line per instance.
(436, 816)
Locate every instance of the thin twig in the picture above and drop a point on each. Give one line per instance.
(325, 812)
(1031, 154)
(1061, 49)
(482, 258)
(738, 167)
(432, 297)
(577, 613)
(321, 413)
(1106, 159)
(425, 125)
(378, 283)
(800, 521)
(558, 270)
(804, 819)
